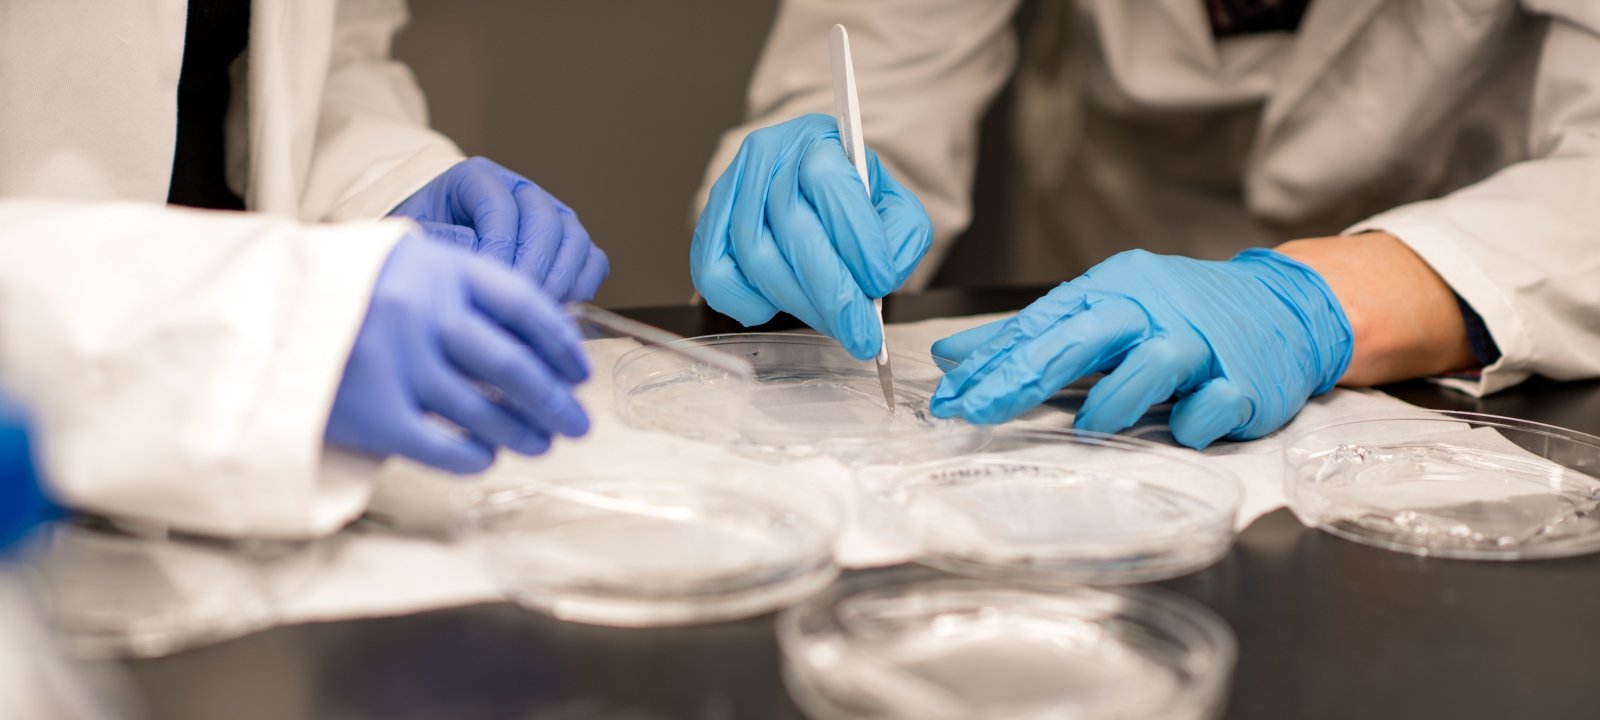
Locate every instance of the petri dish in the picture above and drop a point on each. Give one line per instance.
(808, 397)
(1061, 507)
(1450, 484)
(909, 644)
(639, 549)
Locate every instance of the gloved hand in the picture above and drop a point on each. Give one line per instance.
(496, 212)
(789, 227)
(467, 340)
(1242, 343)
(23, 504)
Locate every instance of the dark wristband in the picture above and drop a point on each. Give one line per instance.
(1484, 349)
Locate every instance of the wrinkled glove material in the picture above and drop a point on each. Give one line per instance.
(1242, 344)
(495, 212)
(458, 338)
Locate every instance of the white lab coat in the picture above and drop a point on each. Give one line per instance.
(1470, 129)
(182, 363)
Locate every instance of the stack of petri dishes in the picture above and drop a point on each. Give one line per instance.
(667, 546)
(1030, 521)
(1036, 523)
(910, 644)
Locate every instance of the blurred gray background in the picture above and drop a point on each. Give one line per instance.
(614, 106)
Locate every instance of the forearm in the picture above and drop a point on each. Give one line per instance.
(156, 346)
(1404, 318)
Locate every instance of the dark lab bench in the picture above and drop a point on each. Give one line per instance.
(1326, 628)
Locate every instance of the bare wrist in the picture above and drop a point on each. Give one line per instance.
(1403, 317)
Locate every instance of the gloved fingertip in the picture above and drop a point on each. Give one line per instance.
(967, 407)
(558, 284)
(1204, 418)
(881, 279)
(944, 407)
(578, 369)
(746, 314)
(863, 349)
(1099, 422)
(866, 333)
(531, 443)
(576, 422)
(978, 417)
(565, 416)
(567, 355)
(1199, 440)
(578, 293)
(473, 457)
(948, 353)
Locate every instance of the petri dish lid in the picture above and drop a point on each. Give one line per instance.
(809, 397)
(1450, 484)
(910, 644)
(1062, 507)
(636, 549)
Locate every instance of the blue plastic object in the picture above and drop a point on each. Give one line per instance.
(788, 226)
(1243, 344)
(493, 211)
(23, 504)
(455, 336)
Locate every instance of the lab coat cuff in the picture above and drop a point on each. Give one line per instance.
(1438, 245)
(340, 279)
(384, 193)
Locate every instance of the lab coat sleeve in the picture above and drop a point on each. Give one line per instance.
(926, 71)
(181, 364)
(374, 147)
(1522, 247)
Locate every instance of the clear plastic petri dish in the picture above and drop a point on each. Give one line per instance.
(1450, 484)
(1061, 507)
(808, 397)
(637, 549)
(914, 645)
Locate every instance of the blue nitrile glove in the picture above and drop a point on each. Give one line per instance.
(1243, 344)
(23, 504)
(789, 227)
(496, 212)
(446, 331)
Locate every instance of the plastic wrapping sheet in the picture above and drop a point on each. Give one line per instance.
(116, 591)
(410, 559)
(37, 678)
